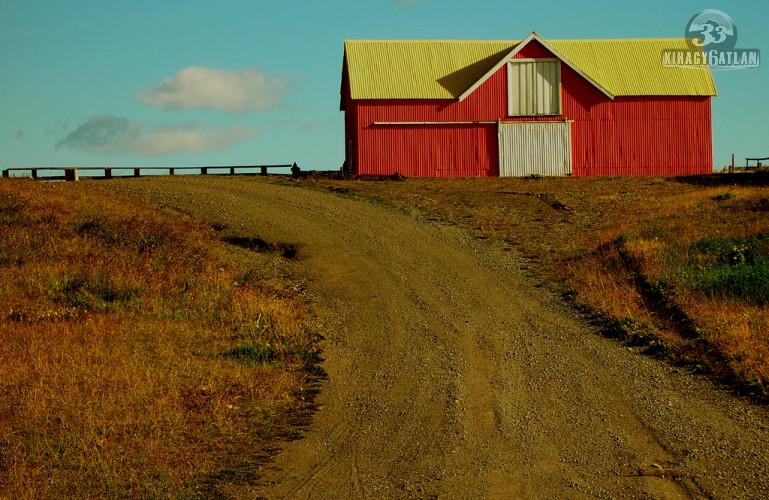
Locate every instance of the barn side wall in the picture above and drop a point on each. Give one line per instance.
(645, 135)
(428, 150)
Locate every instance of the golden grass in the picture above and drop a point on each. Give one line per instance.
(137, 358)
(620, 246)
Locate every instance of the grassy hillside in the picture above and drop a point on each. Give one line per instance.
(677, 267)
(138, 359)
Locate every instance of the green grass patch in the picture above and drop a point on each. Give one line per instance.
(731, 268)
(260, 354)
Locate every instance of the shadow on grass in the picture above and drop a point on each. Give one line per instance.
(286, 250)
(245, 468)
(757, 178)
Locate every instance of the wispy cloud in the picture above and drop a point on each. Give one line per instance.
(198, 87)
(306, 127)
(113, 135)
(281, 124)
(57, 129)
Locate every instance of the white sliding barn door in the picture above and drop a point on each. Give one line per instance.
(534, 148)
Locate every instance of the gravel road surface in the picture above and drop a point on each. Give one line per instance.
(452, 375)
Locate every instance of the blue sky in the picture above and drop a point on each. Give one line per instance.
(238, 82)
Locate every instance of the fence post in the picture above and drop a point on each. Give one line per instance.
(71, 175)
(34, 173)
(6, 173)
(203, 170)
(137, 172)
(171, 171)
(263, 171)
(107, 173)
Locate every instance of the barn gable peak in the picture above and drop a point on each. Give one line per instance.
(518, 48)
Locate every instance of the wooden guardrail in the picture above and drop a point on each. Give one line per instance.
(74, 173)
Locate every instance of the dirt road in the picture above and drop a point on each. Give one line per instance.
(451, 374)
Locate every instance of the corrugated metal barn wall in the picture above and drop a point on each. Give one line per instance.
(351, 157)
(460, 149)
(432, 151)
(636, 135)
(630, 145)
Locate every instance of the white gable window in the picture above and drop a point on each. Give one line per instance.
(534, 87)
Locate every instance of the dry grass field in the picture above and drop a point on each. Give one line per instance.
(146, 354)
(677, 267)
(138, 357)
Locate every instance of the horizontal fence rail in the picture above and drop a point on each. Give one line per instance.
(757, 160)
(75, 173)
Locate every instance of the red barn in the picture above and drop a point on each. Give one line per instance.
(560, 107)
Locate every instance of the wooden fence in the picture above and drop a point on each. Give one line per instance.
(74, 173)
(757, 160)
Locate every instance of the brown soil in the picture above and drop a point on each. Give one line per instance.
(452, 374)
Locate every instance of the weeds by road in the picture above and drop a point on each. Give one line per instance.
(678, 267)
(138, 359)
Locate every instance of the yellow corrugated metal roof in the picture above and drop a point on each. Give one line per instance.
(634, 67)
(418, 69)
(446, 69)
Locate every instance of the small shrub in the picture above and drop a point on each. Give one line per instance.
(259, 353)
(725, 196)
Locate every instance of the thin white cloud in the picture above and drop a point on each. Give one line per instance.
(281, 124)
(306, 127)
(116, 135)
(198, 87)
